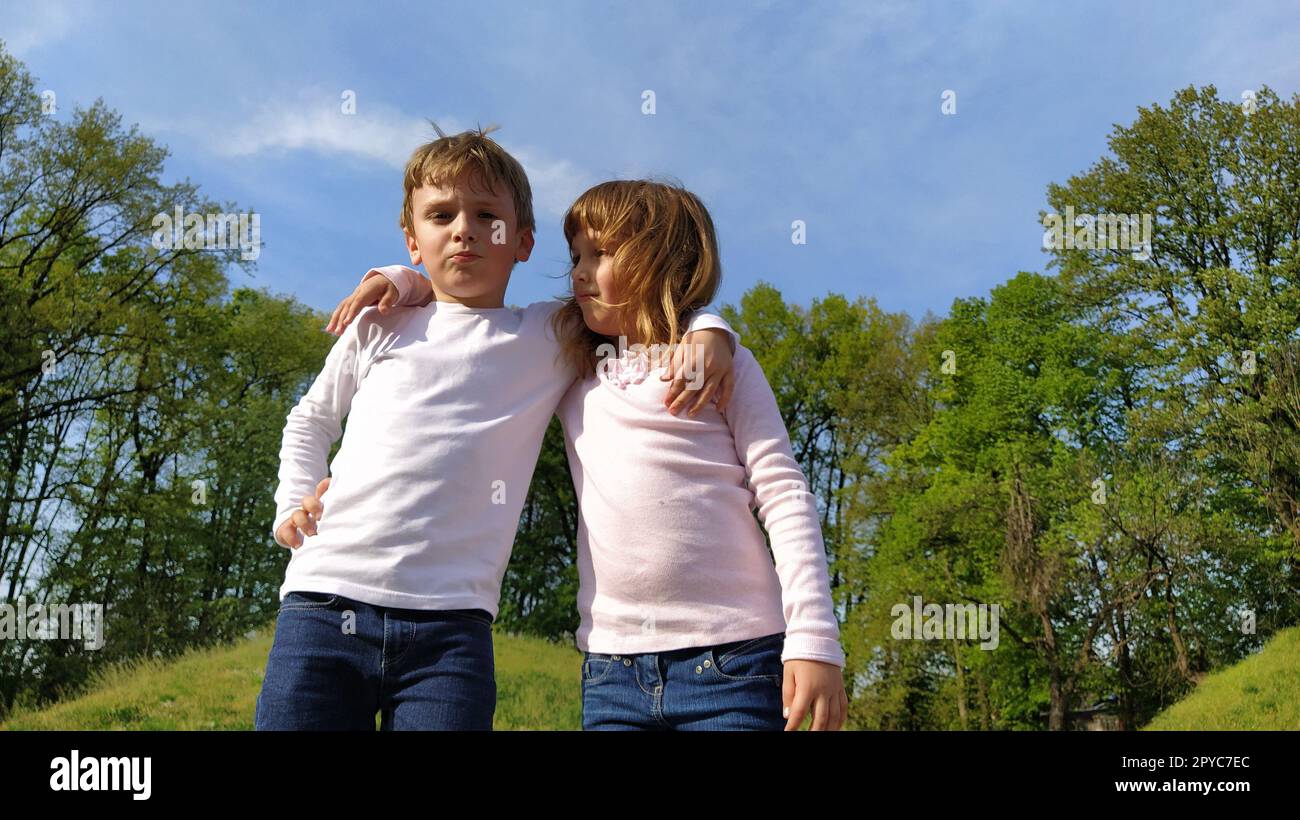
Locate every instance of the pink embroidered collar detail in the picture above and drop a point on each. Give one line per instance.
(631, 367)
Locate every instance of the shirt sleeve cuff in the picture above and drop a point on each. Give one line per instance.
(812, 648)
(402, 277)
(711, 321)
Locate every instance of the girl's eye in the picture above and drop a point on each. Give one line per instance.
(488, 214)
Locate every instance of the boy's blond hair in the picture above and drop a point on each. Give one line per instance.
(444, 160)
(666, 265)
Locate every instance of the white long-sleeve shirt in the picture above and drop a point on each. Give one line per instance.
(446, 409)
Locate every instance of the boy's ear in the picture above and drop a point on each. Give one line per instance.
(412, 247)
(525, 247)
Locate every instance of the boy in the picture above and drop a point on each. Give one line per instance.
(389, 605)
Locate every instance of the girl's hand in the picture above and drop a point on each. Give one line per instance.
(706, 352)
(304, 518)
(815, 685)
(375, 289)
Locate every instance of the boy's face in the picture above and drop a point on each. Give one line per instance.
(467, 239)
(593, 276)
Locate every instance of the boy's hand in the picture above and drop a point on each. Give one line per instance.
(708, 352)
(815, 685)
(304, 518)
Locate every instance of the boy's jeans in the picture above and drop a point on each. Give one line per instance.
(336, 661)
(729, 686)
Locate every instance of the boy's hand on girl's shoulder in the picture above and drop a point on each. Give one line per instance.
(375, 290)
(815, 686)
(703, 353)
(304, 518)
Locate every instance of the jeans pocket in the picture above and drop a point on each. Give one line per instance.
(754, 659)
(596, 666)
(308, 600)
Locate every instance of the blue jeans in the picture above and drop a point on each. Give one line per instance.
(729, 686)
(336, 662)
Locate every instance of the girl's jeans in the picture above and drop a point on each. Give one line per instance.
(336, 662)
(729, 686)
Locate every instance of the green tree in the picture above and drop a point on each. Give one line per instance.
(129, 372)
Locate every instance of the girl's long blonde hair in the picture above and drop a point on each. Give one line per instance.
(666, 265)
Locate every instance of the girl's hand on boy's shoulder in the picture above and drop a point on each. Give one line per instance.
(375, 290)
(700, 366)
(816, 687)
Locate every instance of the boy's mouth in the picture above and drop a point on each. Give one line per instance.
(464, 257)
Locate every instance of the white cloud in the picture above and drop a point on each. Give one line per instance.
(555, 183)
(34, 26)
(1240, 49)
(314, 121)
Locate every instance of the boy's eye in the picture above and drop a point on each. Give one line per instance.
(488, 214)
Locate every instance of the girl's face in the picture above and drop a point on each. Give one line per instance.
(593, 281)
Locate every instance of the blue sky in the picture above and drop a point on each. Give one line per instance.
(825, 112)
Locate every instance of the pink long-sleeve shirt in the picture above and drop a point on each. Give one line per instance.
(669, 553)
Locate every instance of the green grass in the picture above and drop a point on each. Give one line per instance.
(1260, 692)
(538, 687)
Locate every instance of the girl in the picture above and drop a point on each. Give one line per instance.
(685, 619)
(686, 622)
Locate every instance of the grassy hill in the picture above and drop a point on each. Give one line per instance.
(537, 688)
(1260, 692)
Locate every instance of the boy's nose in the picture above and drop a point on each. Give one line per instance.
(461, 229)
